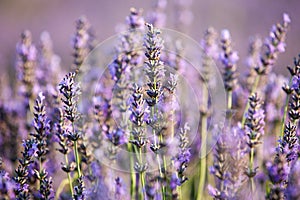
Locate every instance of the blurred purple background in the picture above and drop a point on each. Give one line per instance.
(243, 18)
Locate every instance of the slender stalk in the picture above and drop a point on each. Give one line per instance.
(38, 183)
(76, 153)
(251, 164)
(132, 174)
(69, 175)
(286, 106)
(142, 176)
(61, 188)
(203, 161)
(229, 101)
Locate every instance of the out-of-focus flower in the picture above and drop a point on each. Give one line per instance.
(117, 137)
(274, 44)
(229, 59)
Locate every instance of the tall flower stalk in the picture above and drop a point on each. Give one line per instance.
(70, 91)
(138, 137)
(274, 44)
(26, 65)
(209, 46)
(229, 59)
(254, 128)
(155, 72)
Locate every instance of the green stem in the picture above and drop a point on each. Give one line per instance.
(251, 164)
(69, 175)
(77, 158)
(132, 174)
(286, 106)
(202, 173)
(61, 188)
(40, 171)
(76, 153)
(229, 101)
(142, 176)
(202, 167)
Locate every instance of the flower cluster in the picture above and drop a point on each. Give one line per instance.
(74, 149)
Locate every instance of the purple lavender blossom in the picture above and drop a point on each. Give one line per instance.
(117, 137)
(138, 109)
(135, 19)
(157, 17)
(278, 173)
(79, 190)
(288, 145)
(229, 59)
(70, 91)
(26, 61)
(42, 126)
(81, 41)
(119, 190)
(255, 123)
(274, 44)
(153, 66)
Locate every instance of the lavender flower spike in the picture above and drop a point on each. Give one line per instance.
(229, 59)
(154, 67)
(274, 45)
(254, 128)
(26, 60)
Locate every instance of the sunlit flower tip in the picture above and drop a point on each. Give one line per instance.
(225, 34)
(286, 18)
(41, 96)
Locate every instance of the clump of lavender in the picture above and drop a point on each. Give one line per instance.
(279, 169)
(287, 150)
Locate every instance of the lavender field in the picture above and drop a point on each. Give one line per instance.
(149, 112)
